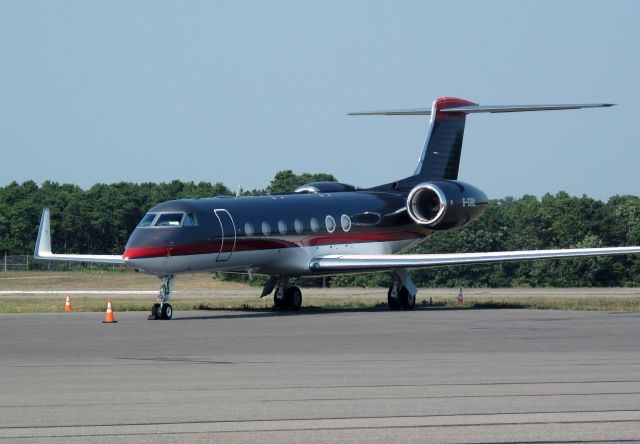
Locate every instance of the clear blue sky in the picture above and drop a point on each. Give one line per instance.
(235, 91)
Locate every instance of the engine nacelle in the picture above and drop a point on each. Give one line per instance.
(441, 204)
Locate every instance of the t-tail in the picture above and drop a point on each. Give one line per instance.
(440, 157)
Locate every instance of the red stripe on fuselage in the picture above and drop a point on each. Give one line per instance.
(253, 244)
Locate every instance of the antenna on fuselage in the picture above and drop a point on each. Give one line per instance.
(239, 191)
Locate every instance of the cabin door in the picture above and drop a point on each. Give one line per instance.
(228, 237)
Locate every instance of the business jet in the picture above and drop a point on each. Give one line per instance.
(324, 228)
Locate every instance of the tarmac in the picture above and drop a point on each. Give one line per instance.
(426, 375)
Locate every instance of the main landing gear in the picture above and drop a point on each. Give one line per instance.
(285, 297)
(162, 309)
(402, 293)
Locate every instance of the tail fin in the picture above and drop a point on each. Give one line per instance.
(440, 158)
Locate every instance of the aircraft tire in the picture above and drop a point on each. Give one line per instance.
(407, 300)
(155, 312)
(167, 312)
(279, 304)
(293, 298)
(393, 302)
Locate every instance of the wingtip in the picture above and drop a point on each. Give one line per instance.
(43, 241)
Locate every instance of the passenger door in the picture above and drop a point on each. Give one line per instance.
(228, 237)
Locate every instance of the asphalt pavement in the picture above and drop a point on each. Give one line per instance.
(426, 375)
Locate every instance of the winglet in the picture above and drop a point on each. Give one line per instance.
(43, 242)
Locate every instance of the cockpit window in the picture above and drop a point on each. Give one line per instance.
(190, 220)
(147, 220)
(169, 220)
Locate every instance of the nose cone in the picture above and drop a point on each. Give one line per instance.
(145, 243)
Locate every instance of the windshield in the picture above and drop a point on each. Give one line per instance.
(190, 220)
(146, 220)
(169, 220)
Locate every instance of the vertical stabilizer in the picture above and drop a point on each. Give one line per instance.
(440, 157)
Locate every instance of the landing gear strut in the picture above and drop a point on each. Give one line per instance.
(402, 293)
(286, 297)
(162, 309)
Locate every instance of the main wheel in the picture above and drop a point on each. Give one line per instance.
(279, 303)
(293, 296)
(406, 298)
(393, 302)
(166, 312)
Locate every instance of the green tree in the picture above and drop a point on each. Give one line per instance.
(286, 181)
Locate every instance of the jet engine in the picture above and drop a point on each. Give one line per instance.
(441, 205)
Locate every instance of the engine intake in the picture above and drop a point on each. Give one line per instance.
(427, 204)
(445, 204)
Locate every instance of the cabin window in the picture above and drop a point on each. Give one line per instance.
(297, 224)
(266, 228)
(248, 229)
(314, 224)
(282, 227)
(330, 223)
(169, 220)
(147, 220)
(190, 220)
(345, 221)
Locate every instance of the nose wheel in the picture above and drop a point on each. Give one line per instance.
(162, 309)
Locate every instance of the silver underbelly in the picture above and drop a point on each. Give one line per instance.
(286, 261)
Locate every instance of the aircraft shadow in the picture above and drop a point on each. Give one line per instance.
(307, 311)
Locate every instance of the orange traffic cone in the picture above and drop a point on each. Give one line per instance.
(108, 317)
(67, 304)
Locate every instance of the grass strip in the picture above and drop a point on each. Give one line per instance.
(92, 304)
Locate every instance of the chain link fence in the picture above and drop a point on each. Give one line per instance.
(26, 262)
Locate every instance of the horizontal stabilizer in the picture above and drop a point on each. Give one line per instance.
(43, 247)
(480, 109)
(360, 263)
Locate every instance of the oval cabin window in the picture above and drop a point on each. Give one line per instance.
(266, 228)
(345, 221)
(330, 223)
(282, 227)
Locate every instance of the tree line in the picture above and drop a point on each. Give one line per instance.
(101, 218)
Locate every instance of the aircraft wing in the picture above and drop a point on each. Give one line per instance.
(43, 247)
(360, 263)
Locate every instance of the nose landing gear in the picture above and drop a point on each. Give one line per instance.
(162, 309)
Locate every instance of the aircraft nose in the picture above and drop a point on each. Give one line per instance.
(145, 252)
(144, 245)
